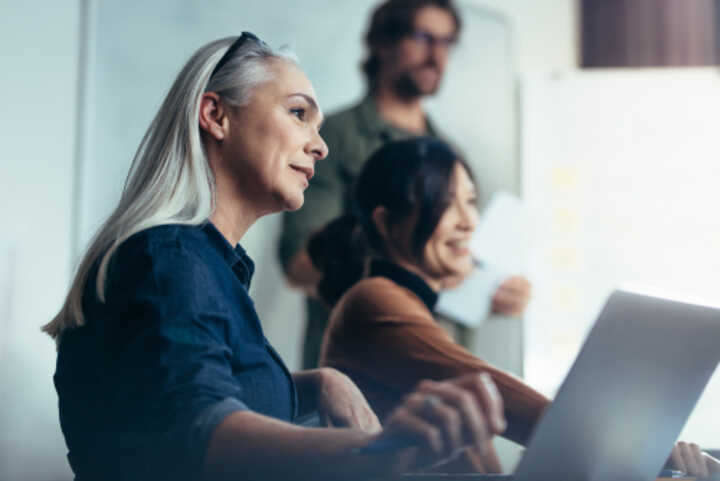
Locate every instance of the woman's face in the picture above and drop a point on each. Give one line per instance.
(274, 142)
(446, 255)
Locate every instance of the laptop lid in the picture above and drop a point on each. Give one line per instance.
(629, 393)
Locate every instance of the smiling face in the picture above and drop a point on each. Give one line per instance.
(273, 140)
(447, 254)
(415, 65)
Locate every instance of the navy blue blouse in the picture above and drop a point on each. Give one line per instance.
(175, 348)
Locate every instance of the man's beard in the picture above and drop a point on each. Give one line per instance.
(408, 88)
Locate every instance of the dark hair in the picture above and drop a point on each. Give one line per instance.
(412, 180)
(390, 22)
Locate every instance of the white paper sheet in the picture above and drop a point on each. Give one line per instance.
(501, 238)
(501, 247)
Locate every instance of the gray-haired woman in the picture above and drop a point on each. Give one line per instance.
(163, 370)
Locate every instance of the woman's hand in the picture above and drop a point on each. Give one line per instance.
(341, 404)
(689, 458)
(512, 296)
(440, 418)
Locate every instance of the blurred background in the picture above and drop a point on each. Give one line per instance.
(603, 115)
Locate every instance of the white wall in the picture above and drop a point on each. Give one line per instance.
(544, 31)
(38, 96)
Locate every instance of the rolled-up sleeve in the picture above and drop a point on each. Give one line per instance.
(169, 367)
(208, 419)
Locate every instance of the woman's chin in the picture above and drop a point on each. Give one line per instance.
(457, 274)
(294, 202)
(463, 266)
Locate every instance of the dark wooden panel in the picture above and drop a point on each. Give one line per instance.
(650, 33)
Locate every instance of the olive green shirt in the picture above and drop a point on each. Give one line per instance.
(352, 135)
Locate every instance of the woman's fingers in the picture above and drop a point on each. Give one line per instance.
(712, 464)
(518, 284)
(370, 422)
(689, 457)
(342, 404)
(491, 401)
(484, 389)
(677, 458)
(442, 417)
(433, 410)
(408, 424)
(697, 456)
(468, 408)
(512, 296)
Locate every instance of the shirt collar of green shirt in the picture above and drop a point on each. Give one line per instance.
(374, 124)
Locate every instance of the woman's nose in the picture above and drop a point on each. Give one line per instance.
(468, 218)
(317, 147)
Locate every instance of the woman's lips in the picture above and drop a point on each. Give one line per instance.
(459, 247)
(307, 171)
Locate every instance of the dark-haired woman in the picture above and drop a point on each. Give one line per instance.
(383, 266)
(163, 370)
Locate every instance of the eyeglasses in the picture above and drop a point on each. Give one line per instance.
(428, 40)
(244, 37)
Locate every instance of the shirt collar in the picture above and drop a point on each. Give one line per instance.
(406, 279)
(371, 121)
(238, 260)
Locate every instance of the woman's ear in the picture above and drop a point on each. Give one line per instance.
(212, 116)
(379, 217)
(393, 238)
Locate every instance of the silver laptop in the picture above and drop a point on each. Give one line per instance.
(628, 394)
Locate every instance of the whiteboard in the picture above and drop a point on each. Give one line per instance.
(621, 180)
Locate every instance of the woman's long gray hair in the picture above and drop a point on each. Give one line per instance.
(170, 181)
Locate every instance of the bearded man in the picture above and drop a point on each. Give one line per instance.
(408, 44)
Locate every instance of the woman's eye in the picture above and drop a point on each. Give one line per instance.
(298, 112)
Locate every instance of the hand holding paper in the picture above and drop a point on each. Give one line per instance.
(496, 285)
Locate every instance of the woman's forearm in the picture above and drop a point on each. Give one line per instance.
(434, 422)
(247, 445)
(524, 406)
